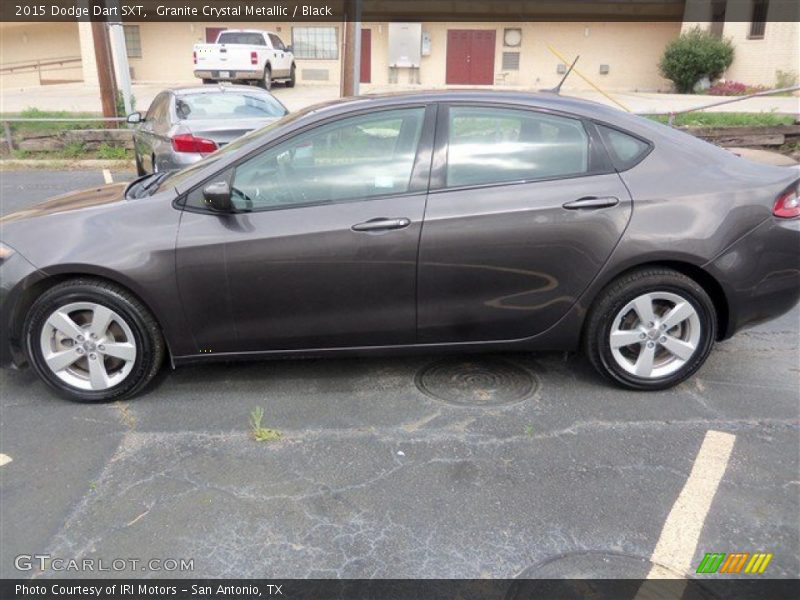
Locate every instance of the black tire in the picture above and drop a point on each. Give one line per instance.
(266, 82)
(617, 295)
(208, 81)
(139, 166)
(147, 336)
(290, 83)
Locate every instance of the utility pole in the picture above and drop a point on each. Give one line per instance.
(351, 55)
(105, 70)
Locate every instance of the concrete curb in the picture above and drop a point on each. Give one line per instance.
(61, 163)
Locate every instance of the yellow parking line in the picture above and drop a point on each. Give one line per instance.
(107, 176)
(5, 459)
(678, 541)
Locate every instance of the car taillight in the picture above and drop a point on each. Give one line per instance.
(254, 58)
(186, 142)
(194, 57)
(787, 206)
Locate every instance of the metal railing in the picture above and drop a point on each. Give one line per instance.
(40, 66)
(728, 100)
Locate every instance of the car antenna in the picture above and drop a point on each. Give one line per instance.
(557, 90)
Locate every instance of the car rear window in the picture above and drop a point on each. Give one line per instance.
(233, 37)
(625, 149)
(228, 105)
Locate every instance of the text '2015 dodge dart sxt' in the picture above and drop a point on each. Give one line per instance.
(451, 220)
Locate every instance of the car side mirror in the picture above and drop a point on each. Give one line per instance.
(288, 49)
(218, 196)
(134, 118)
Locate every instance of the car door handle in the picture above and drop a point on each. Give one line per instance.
(592, 202)
(382, 224)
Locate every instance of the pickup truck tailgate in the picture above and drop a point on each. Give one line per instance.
(230, 57)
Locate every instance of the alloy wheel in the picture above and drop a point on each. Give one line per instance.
(655, 335)
(88, 346)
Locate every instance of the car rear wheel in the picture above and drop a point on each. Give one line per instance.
(266, 82)
(651, 329)
(92, 341)
(292, 78)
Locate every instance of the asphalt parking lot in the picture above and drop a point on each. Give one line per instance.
(430, 467)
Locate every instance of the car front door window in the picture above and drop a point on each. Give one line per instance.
(359, 157)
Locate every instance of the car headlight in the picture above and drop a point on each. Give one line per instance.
(5, 252)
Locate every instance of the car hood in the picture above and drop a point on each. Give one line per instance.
(96, 196)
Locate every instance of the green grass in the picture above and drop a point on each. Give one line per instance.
(45, 126)
(109, 152)
(259, 433)
(718, 119)
(76, 151)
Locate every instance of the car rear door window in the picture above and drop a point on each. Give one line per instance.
(625, 149)
(496, 145)
(159, 109)
(358, 157)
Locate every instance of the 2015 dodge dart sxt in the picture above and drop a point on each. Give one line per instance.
(452, 220)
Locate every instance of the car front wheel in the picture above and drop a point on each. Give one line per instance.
(91, 340)
(651, 329)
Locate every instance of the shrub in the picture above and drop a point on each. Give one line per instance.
(695, 54)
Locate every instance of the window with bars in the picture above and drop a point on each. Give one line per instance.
(758, 20)
(315, 43)
(133, 42)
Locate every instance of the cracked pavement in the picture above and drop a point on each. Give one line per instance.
(373, 478)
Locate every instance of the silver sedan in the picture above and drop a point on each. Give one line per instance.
(183, 125)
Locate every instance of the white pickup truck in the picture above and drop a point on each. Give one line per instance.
(245, 55)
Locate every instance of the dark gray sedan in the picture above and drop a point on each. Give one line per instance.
(183, 125)
(456, 221)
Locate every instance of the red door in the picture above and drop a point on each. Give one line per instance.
(366, 56)
(212, 33)
(470, 56)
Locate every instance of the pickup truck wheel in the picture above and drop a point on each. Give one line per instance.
(207, 81)
(266, 83)
(292, 78)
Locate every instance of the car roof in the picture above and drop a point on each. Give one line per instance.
(545, 100)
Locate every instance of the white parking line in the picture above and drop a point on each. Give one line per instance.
(5, 459)
(107, 176)
(678, 542)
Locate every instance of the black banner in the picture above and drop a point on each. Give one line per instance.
(403, 589)
(394, 10)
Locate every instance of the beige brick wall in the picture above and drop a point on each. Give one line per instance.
(28, 42)
(756, 61)
(631, 50)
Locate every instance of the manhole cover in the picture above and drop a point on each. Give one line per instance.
(479, 381)
(603, 575)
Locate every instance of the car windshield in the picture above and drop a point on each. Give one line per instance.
(229, 104)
